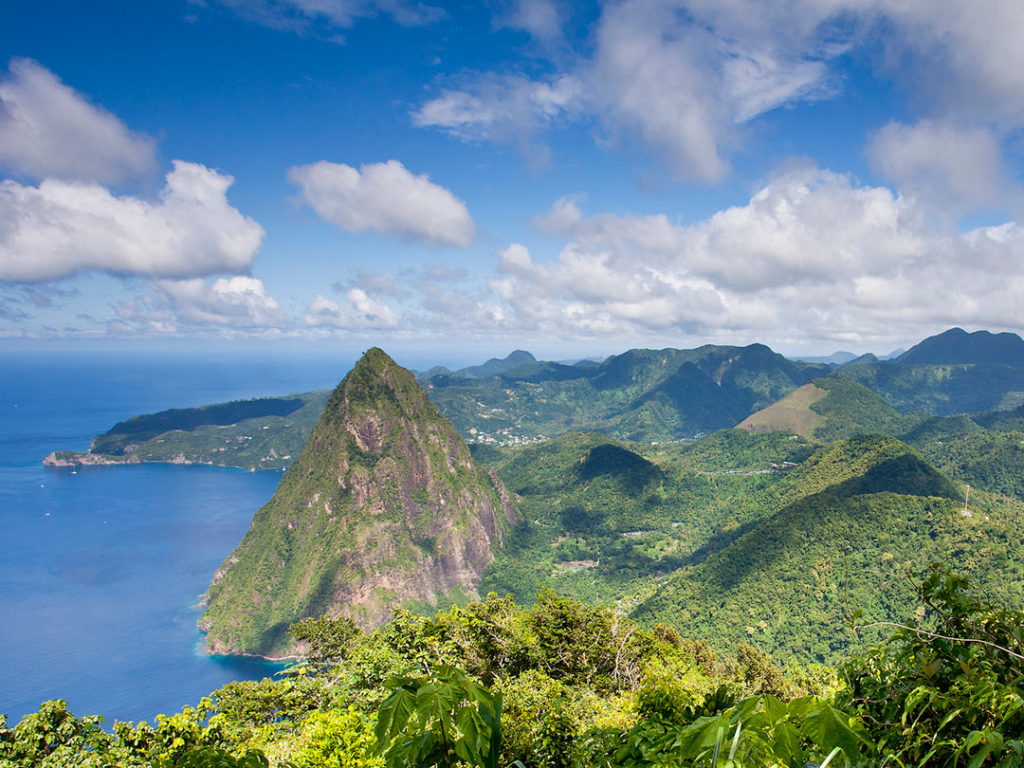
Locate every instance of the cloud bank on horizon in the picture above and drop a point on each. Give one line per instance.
(813, 174)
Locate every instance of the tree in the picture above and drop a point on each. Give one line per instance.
(438, 718)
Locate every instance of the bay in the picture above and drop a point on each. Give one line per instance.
(101, 568)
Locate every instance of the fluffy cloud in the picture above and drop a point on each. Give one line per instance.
(363, 312)
(811, 256)
(235, 304)
(48, 130)
(966, 57)
(236, 301)
(384, 198)
(944, 164)
(681, 80)
(60, 228)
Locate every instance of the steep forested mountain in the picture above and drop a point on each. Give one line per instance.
(384, 506)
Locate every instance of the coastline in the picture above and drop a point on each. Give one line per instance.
(218, 653)
(62, 459)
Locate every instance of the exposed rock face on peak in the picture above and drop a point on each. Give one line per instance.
(384, 505)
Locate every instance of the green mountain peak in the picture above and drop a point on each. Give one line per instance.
(383, 506)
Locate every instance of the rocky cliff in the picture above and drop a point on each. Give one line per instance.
(384, 505)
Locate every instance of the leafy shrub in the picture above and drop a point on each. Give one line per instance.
(336, 739)
(948, 692)
(53, 737)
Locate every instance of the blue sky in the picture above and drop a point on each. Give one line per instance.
(460, 179)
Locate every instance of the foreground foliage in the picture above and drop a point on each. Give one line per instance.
(949, 694)
(566, 685)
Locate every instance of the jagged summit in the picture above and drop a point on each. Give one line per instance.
(384, 505)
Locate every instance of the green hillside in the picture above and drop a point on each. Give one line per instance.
(790, 414)
(1002, 421)
(780, 557)
(734, 451)
(642, 395)
(941, 390)
(600, 517)
(993, 461)
(859, 514)
(878, 462)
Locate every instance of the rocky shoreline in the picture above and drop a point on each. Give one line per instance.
(77, 459)
(72, 459)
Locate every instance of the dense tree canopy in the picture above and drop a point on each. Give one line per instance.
(562, 684)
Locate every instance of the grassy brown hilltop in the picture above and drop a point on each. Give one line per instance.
(790, 414)
(830, 408)
(383, 506)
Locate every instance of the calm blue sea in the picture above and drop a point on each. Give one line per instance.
(100, 569)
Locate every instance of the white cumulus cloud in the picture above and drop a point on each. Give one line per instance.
(384, 198)
(945, 164)
(812, 256)
(60, 228)
(363, 311)
(238, 303)
(48, 130)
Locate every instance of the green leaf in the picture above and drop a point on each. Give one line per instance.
(828, 728)
(786, 746)
(392, 717)
(775, 710)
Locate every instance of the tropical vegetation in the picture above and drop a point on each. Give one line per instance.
(570, 685)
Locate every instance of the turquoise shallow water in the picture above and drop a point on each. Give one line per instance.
(101, 569)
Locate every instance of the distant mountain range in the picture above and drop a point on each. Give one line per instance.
(836, 358)
(642, 394)
(492, 367)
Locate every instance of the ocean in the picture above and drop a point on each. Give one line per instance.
(101, 568)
